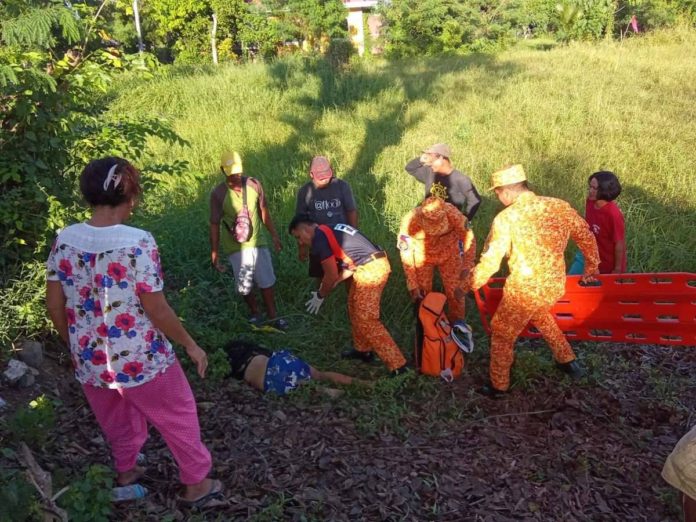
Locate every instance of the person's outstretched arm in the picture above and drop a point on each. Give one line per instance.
(473, 201)
(166, 321)
(334, 377)
(266, 218)
(497, 246)
(619, 249)
(418, 169)
(215, 218)
(407, 246)
(55, 304)
(350, 206)
(331, 277)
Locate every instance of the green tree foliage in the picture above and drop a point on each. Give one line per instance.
(180, 28)
(314, 20)
(414, 27)
(434, 26)
(592, 19)
(56, 64)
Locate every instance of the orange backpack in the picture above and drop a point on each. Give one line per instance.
(436, 352)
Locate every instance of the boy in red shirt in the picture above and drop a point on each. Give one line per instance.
(606, 223)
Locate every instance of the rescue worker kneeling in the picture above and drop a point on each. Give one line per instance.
(435, 235)
(532, 232)
(344, 253)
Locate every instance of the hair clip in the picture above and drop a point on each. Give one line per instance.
(112, 176)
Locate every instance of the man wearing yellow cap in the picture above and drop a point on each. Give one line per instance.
(532, 232)
(435, 235)
(236, 233)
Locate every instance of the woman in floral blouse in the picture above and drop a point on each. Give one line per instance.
(104, 296)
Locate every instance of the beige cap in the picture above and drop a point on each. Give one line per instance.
(507, 176)
(441, 149)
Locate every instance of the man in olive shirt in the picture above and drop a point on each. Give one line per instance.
(250, 260)
(434, 169)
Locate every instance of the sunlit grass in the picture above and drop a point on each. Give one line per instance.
(563, 113)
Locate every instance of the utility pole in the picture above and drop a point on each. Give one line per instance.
(136, 15)
(213, 43)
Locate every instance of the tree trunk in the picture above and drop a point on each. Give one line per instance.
(213, 43)
(136, 16)
(609, 29)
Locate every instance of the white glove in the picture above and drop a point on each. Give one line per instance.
(314, 303)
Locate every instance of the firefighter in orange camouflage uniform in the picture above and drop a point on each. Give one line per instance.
(345, 252)
(532, 232)
(435, 235)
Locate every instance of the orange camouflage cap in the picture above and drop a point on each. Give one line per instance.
(507, 176)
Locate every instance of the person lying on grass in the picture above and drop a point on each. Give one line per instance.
(279, 372)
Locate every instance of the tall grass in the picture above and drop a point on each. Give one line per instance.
(563, 113)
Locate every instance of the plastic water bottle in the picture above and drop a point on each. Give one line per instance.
(130, 492)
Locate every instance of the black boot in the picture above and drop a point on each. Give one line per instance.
(400, 371)
(356, 354)
(489, 391)
(572, 368)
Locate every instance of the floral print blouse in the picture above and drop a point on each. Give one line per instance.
(103, 270)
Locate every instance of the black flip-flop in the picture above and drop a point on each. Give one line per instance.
(213, 498)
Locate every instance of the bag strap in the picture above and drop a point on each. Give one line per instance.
(244, 192)
(336, 248)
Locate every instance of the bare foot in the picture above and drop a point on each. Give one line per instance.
(131, 476)
(196, 491)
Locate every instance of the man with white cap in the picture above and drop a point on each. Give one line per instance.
(532, 232)
(327, 200)
(434, 169)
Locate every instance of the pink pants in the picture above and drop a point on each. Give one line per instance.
(167, 403)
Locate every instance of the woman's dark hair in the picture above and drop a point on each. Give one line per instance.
(109, 182)
(239, 353)
(608, 186)
(300, 219)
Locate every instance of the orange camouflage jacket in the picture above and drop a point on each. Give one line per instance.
(424, 242)
(533, 233)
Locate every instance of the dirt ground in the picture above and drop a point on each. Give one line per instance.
(414, 449)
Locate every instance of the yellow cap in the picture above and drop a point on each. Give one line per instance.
(231, 163)
(507, 176)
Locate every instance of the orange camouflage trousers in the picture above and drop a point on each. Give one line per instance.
(450, 273)
(512, 315)
(363, 310)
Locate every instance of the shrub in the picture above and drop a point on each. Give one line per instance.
(18, 500)
(89, 498)
(34, 423)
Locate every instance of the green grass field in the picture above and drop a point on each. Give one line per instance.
(563, 113)
(413, 448)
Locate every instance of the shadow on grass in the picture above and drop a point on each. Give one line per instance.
(207, 299)
(342, 91)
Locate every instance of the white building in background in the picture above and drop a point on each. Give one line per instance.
(357, 27)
